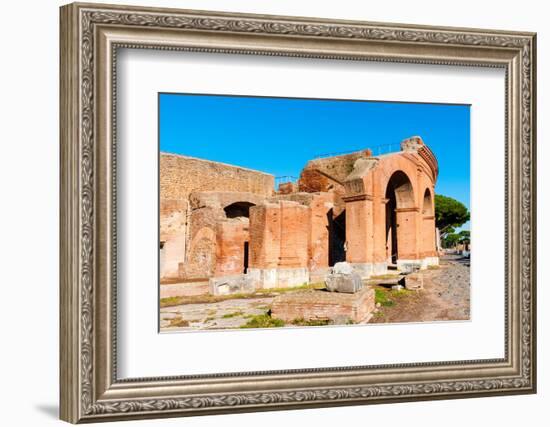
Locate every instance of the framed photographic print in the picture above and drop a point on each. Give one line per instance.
(265, 212)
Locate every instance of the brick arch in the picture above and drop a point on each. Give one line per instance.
(238, 209)
(404, 163)
(402, 187)
(219, 200)
(428, 249)
(400, 217)
(427, 203)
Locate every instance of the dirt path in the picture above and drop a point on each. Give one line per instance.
(446, 296)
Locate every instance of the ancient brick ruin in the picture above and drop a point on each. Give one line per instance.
(229, 227)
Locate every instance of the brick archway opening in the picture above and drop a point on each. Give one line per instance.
(399, 196)
(336, 237)
(240, 211)
(427, 205)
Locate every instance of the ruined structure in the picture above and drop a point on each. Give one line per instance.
(228, 225)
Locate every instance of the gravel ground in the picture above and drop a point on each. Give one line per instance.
(446, 296)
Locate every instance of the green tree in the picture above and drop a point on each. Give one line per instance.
(464, 236)
(450, 240)
(449, 214)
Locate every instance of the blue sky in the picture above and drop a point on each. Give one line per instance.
(279, 135)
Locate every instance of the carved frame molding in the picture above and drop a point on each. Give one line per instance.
(90, 36)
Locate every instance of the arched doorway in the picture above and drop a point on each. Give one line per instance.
(399, 198)
(237, 248)
(336, 237)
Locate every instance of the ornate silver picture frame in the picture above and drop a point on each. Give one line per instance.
(91, 390)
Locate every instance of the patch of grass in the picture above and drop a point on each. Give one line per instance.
(311, 322)
(263, 321)
(303, 287)
(433, 267)
(381, 297)
(383, 277)
(400, 293)
(378, 314)
(207, 299)
(169, 301)
(209, 319)
(178, 322)
(234, 314)
(201, 299)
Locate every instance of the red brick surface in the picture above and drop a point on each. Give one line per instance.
(324, 305)
(292, 228)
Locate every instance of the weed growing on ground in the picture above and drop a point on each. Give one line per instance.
(178, 322)
(381, 297)
(234, 314)
(311, 322)
(263, 321)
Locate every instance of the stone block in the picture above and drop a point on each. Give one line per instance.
(342, 268)
(409, 266)
(343, 278)
(229, 285)
(184, 289)
(346, 283)
(413, 281)
(267, 278)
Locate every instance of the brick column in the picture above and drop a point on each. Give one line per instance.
(319, 231)
(379, 255)
(264, 236)
(279, 235)
(294, 225)
(360, 233)
(407, 241)
(428, 237)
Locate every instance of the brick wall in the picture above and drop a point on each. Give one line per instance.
(185, 229)
(322, 174)
(180, 175)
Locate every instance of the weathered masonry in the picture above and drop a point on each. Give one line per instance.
(228, 225)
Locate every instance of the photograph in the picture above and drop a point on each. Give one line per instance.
(271, 209)
(306, 212)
